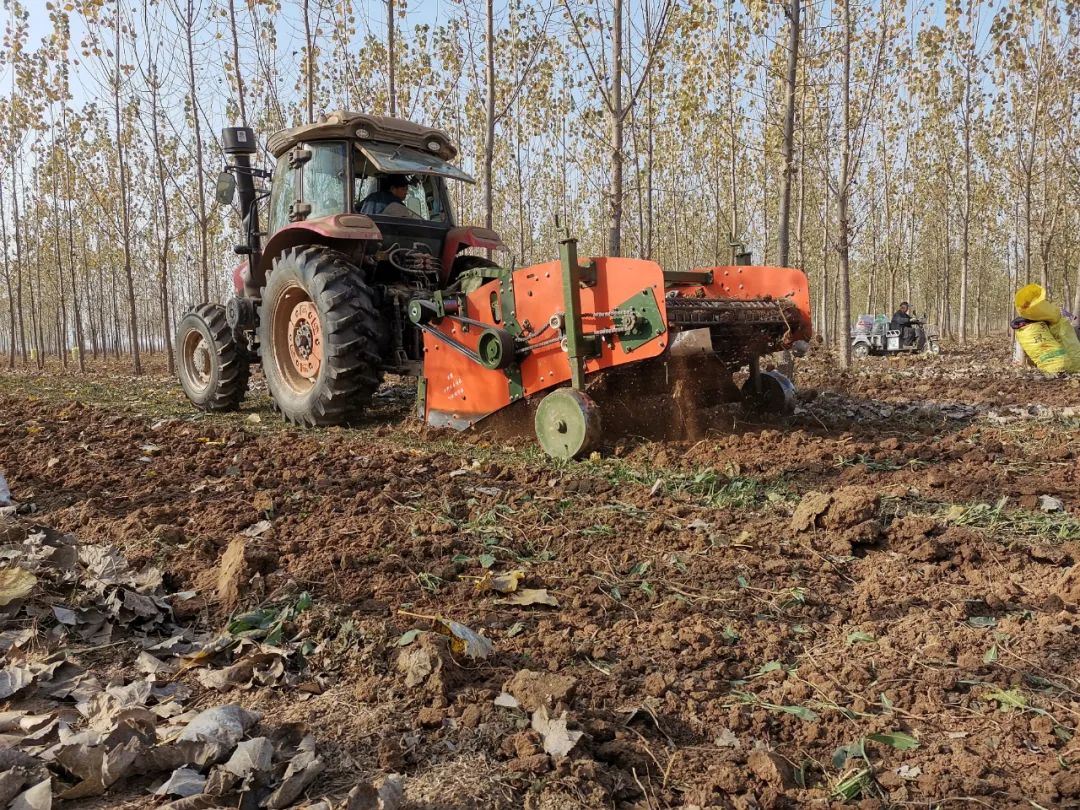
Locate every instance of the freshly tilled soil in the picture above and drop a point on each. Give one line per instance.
(733, 611)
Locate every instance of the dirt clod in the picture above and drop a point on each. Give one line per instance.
(241, 562)
(536, 689)
(655, 685)
(431, 717)
(535, 764)
(1068, 589)
(770, 767)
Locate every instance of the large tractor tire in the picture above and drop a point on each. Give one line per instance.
(319, 333)
(212, 363)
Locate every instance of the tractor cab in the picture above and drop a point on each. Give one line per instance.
(333, 179)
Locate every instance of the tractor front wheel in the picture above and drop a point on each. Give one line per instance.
(319, 333)
(212, 364)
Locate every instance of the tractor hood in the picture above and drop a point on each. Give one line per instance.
(391, 159)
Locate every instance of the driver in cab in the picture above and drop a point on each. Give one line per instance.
(389, 200)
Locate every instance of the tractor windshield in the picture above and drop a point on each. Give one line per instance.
(424, 198)
(391, 159)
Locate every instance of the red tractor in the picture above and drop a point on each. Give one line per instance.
(364, 271)
(323, 302)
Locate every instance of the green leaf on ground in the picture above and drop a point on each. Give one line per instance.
(860, 637)
(1007, 699)
(899, 740)
(407, 638)
(844, 753)
(803, 713)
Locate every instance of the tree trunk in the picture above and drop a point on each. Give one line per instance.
(60, 285)
(125, 216)
(7, 280)
(165, 233)
(236, 66)
(823, 318)
(800, 220)
(80, 342)
(843, 249)
(309, 64)
(204, 267)
(871, 286)
(617, 113)
(18, 255)
(489, 122)
(788, 148)
(391, 57)
(965, 233)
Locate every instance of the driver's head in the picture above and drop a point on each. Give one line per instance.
(398, 185)
(904, 306)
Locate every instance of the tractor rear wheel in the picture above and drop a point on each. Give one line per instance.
(319, 332)
(212, 363)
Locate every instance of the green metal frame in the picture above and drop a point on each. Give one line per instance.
(648, 324)
(579, 346)
(421, 396)
(508, 305)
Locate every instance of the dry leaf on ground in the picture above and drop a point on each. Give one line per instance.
(15, 583)
(39, 797)
(183, 782)
(530, 596)
(558, 740)
(304, 768)
(463, 640)
(501, 583)
(226, 725)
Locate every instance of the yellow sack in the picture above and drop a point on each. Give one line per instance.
(1043, 348)
(1065, 334)
(1032, 305)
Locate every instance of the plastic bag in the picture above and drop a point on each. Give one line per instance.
(1031, 303)
(1045, 351)
(1065, 334)
(5, 493)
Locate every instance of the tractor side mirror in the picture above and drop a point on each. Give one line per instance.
(226, 188)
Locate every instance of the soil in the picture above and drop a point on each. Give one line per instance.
(866, 602)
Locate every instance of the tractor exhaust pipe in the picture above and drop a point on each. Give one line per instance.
(239, 144)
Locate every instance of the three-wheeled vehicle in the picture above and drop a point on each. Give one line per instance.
(874, 335)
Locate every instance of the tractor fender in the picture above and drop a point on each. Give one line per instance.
(339, 231)
(457, 239)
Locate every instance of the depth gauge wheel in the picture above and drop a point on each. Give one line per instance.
(319, 332)
(567, 423)
(211, 362)
(777, 394)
